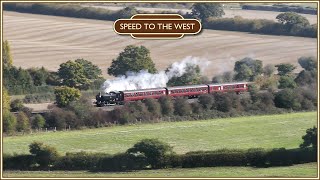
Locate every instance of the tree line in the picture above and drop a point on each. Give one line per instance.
(289, 23)
(284, 91)
(155, 154)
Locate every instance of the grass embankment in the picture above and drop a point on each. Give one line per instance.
(301, 170)
(271, 131)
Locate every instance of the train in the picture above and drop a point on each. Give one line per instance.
(192, 91)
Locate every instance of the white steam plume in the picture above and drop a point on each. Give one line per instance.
(145, 80)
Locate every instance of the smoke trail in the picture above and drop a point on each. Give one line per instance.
(144, 80)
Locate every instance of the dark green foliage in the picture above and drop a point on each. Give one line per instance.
(23, 122)
(206, 100)
(79, 161)
(285, 69)
(65, 95)
(39, 75)
(153, 150)
(288, 99)
(18, 162)
(167, 107)
(44, 155)
(182, 107)
(280, 157)
(310, 138)
(221, 157)
(153, 107)
(16, 105)
(287, 82)
(247, 69)
(132, 59)
(225, 102)
(256, 157)
(192, 75)
(38, 122)
(203, 11)
(17, 80)
(122, 162)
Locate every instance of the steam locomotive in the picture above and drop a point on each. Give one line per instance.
(192, 91)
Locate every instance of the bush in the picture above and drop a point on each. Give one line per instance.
(122, 162)
(65, 95)
(18, 162)
(44, 155)
(287, 98)
(206, 101)
(257, 157)
(182, 107)
(167, 107)
(153, 150)
(79, 161)
(16, 105)
(221, 157)
(62, 119)
(39, 98)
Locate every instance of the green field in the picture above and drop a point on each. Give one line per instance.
(271, 131)
(301, 170)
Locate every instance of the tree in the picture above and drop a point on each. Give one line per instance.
(65, 95)
(5, 100)
(269, 69)
(9, 122)
(91, 71)
(306, 78)
(16, 105)
(291, 19)
(154, 151)
(308, 63)
(167, 107)
(38, 122)
(23, 122)
(192, 75)
(44, 155)
(247, 69)
(39, 76)
(127, 12)
(182, 107)
(132, 59)
(287, 82)
(203, 11)
(310, 138)
(72, 74)
(285, 69)
(6, 54)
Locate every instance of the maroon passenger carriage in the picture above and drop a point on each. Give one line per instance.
(192, 91)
